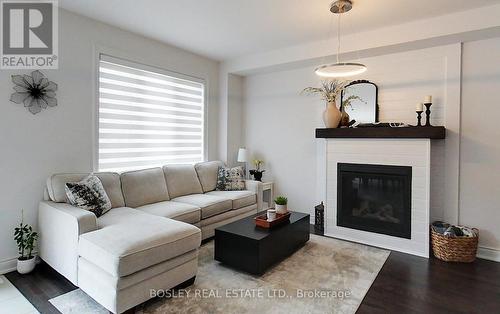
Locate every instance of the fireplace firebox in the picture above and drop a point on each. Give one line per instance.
(375, 198)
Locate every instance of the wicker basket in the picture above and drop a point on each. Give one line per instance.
(454, 249)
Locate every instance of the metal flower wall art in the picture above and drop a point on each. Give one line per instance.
(35, 91)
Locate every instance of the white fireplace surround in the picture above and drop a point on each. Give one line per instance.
(415, 153)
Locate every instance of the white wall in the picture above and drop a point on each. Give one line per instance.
(279, 128)
(480, 142)
(230, 116)
(61, 139)
(280, 123)
(235, 110)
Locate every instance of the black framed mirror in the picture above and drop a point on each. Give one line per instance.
(365, 108)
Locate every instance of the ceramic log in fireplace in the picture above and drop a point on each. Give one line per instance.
(375, 198)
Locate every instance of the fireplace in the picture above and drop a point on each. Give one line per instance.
(375, 198)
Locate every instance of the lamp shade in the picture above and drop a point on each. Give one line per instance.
(242, 155)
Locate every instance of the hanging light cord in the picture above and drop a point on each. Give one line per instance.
(340, 69)
(338, 36)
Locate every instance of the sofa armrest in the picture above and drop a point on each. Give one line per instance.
(60, 226)
(256, 187)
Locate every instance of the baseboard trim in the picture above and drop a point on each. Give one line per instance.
(8, 265)
(488, 253)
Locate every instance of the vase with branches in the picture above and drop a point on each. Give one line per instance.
(330, 91)
(25, 238)
(346, 103)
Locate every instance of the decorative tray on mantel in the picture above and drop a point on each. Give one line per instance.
(261, 221)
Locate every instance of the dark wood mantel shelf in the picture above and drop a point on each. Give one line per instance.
(430, 132)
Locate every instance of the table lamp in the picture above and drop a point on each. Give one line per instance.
(242, 157)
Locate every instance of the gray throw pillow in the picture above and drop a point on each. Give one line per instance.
(89, 194)
(230, 179)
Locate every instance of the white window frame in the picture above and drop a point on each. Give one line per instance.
(125, 60)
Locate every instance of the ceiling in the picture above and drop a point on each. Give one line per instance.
(225, 29)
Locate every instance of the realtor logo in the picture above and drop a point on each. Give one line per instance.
(29, 34)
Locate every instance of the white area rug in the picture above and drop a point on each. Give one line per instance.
(12, 301)
(325, 276)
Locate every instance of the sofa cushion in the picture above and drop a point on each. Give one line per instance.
(96, 275)
(142, 187)
(239, 198)
(88, 194)
(132, 245)
(182, 180)
(225, 218)
(207, 174)
(210, 205)
(111, 181)
(117, 216)
(175, 210)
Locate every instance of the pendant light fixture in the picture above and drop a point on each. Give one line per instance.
(340, 69)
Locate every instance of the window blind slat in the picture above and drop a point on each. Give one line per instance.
(146, 149)
(189, 90)
(148, 114)
(147, 118)
(152, 132)
(146, 140)
(143, 165)
(146, 158)
(120, 103)
(141, 123)
(122, 84)
(128, 157)
(148, 76)
(145, 96)
(178, 97)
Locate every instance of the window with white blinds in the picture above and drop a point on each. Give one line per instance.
(147, 118)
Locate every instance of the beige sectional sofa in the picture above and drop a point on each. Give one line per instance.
(150, 237)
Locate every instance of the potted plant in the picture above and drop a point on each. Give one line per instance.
(280, 204)
(257, 172)
(330, 91)
(25, 238)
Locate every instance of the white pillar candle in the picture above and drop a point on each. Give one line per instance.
(419, 107)
(428, 99)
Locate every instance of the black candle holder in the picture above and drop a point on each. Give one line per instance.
(419, 118)
(319, 215)
(428, 113)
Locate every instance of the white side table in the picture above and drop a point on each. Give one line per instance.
(268, 194)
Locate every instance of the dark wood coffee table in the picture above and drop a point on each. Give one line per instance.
(244, 246)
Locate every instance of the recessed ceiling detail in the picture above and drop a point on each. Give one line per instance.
(227, 29)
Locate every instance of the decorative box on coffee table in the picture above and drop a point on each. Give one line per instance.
(245, 246)
(263, 221)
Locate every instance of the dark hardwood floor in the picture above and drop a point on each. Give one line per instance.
(43, 284)
(405, 284)
(410, 284)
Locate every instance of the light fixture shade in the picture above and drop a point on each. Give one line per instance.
(242, 155)
(340, 69)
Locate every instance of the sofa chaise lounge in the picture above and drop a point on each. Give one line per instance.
(150, 237)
